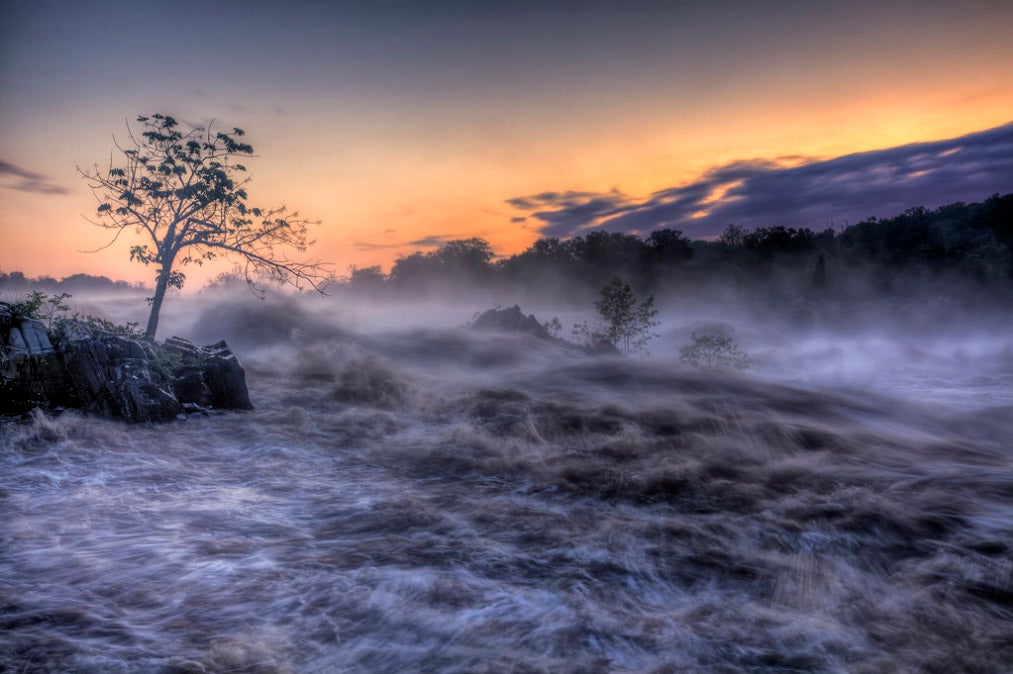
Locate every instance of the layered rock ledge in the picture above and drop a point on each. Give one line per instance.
(114, 376)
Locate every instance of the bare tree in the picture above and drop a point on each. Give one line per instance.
(184, 193)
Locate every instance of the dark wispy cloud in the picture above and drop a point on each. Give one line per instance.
(795, 191)
(365, 245)
(14, 177)
(433, 240)
(567, 212)
(430, 241)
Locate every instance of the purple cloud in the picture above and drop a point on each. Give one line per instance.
(430, 241)
(29, 181)
(795, 191)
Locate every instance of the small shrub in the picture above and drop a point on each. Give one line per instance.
(625, 323)
(64, 327)
(708, 352)
(37, 305)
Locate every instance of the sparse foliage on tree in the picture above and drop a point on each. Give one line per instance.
(709, 352)
(625, 323)
(183, 190)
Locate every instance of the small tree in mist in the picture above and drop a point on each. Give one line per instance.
(184, 192)
(709, 352)
(625, 322)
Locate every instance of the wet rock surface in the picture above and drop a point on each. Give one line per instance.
(114, 376)
(30, 369)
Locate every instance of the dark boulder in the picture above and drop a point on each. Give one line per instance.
(142, 399)
(191, 390)
(225, 378)
(210, 376)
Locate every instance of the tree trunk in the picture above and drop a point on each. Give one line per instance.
(819, 283)
(161, 285)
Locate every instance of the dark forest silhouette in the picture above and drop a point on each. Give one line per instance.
(948, 250)
(955, 246)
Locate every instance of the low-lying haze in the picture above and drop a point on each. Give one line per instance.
(411, 494)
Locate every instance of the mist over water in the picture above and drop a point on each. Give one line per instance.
(411, 495)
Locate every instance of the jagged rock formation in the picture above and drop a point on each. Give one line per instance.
(511, 320)
(212, 375)
(113, 376)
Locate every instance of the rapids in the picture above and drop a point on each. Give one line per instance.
(438, 500)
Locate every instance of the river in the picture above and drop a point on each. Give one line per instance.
(432, 499)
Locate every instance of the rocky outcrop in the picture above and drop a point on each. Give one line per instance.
(511, 320)
(114, 376)
(514, 320)
(211, 375)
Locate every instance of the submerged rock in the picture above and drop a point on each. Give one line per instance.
(115, 376)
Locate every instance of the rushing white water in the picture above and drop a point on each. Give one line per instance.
(440, 500)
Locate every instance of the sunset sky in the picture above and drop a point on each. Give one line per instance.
(404, 124)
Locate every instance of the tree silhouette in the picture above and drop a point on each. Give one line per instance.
(625, 323)
(458, 261)
(184, 193)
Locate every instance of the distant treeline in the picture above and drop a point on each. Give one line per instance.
(952, 248)
(16, 281)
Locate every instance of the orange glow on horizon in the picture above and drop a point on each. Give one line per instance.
(371, 216)
(391, 168)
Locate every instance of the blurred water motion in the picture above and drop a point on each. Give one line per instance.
(439, 500)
